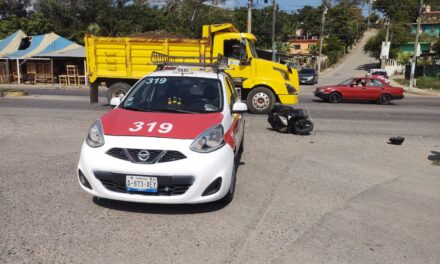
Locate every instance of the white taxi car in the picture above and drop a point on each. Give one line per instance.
(174, 138)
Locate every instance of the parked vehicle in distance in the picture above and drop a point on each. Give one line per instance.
(379, 74)
(308, 76)
(175, 138)
(369, 89)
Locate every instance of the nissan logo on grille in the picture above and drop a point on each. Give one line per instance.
(143, 155)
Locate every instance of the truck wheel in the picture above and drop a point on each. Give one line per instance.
(116, 89)
(260, 100)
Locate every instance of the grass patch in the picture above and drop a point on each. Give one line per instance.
(423, 83)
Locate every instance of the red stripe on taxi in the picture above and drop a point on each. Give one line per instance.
(230, 133)
(121, 122)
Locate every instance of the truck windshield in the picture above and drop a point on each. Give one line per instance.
(253, 50)
(175, 94)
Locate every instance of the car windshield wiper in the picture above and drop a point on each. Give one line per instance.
(173, 110)
(134, 108)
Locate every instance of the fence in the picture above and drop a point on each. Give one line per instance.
(432, 71)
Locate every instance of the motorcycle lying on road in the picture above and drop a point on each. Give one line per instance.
(286, 119)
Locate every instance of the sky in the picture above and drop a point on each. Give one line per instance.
(288, 6)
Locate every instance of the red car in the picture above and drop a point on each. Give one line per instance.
(369, 89)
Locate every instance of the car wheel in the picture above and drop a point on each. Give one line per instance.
(260, 100)
(334, 97)
(230, 194)
(302, 127)
(384, 99)
(117, 89)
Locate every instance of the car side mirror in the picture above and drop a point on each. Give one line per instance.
(239, 107)
(115, 101)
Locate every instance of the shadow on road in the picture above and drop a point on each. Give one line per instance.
(159, 208)
(368, 66)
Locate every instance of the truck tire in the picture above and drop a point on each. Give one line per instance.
(260, 100)
(117, 89)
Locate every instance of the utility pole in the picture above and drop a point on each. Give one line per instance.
(249, 18)
(321, 37)
(383, 59)
(369, 13)
(416, 46)
(274, 14)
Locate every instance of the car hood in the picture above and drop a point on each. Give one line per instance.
(324, 87)
(122, 122)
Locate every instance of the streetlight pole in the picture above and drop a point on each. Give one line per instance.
(249, 18)
(321, 37)
(274, 11)
(416, 47)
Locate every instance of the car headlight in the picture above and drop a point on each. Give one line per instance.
(309, 78)
(95, 138)
(291, 89)
(210, 140)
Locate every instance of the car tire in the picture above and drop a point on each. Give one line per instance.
(384, 99)
(334, 97)
(260, 100)
(302, 127)
(117, 89)
(230, 194)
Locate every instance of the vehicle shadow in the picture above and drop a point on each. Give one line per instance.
(368, 66)
(165, 209)
(362, 102)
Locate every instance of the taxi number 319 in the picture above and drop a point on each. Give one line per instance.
(163, 128)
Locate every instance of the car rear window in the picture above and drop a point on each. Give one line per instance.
(380, 73)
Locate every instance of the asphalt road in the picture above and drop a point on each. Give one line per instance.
(340, 195)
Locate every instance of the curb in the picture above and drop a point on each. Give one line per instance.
(414, 90)
(13, 93)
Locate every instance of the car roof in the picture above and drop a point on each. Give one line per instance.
(197, 73)
(377, 70)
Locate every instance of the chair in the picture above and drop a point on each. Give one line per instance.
(62, 79)
(72, 74)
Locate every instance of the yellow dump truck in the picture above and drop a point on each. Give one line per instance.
(121, 61)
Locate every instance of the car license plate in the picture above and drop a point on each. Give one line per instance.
(141, 183)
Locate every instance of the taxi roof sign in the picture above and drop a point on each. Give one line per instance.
(183, 70)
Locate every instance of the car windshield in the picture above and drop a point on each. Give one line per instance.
(380, 73)
(307, 71)
(347, 82)
(175, 94)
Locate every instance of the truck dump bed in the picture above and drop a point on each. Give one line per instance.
(130, 58)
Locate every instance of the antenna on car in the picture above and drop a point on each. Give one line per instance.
(164, 61)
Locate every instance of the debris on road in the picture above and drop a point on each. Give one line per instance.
(396, 140)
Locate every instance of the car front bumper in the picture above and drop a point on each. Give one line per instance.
(321, 95)
(106, 174)
(307, 81)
